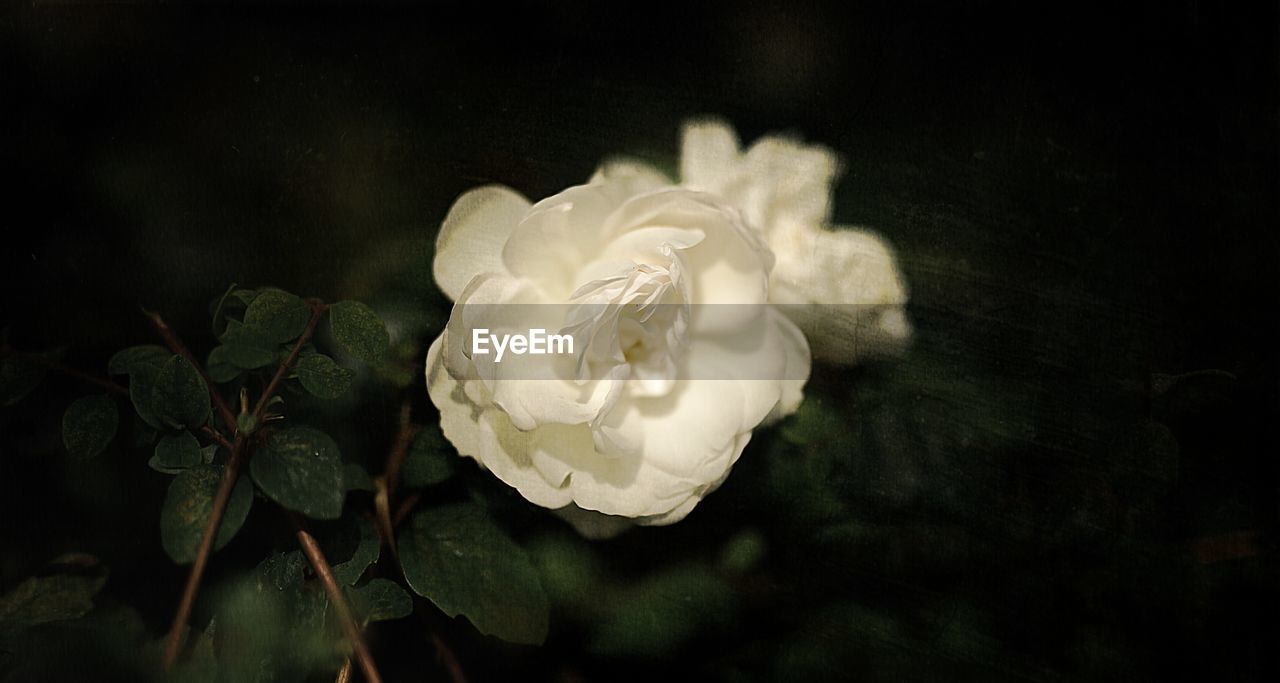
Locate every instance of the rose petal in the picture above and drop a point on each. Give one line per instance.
(708, 155)
(844, 290)
(473, 234)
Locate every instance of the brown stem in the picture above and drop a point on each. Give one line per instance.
(315, 556)
(344, 673)
(317, 310)
(175, 344)
(239, 452)
(406, 506)
(448, 659)
(229, 474)
(216, 436)
(389, 482)
(399, 449)
(52, 364)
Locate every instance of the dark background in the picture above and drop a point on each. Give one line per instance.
(1078, 455)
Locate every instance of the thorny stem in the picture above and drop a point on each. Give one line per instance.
(239, 452)
(321, 566)
(52, 364)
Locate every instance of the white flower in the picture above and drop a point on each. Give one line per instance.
(840, 285)
(664, 386)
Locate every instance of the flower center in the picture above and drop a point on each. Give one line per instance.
(638, 318)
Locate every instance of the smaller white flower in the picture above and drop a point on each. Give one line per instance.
(840, 285)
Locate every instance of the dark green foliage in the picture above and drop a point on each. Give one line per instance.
(431, 459)
(89, 425)
(381, 600)
(264, 631)
(220, 367)
(459, 559)
(179, 396)
(176, 452)
(277, 316)
(351, 544)
(301, 469)
(122, 361)
(247, 347)
(143, 365)
(18, 377)
(65, 594)
(321, 376)
(654, 617)
(186, 511)
(359, 331)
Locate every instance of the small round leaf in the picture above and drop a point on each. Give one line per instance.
(178, 451)
(279, 315)
(301, 469)
(247, 347)
(89, 425)
(430, 460)
(186, 511)
(220, 367)
(180, 398)
(324, 378)
(359, 331)
(147, 353)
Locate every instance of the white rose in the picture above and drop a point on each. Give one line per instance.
(663, 391)
(840, 285)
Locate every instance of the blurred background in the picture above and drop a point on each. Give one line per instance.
(1071, 475)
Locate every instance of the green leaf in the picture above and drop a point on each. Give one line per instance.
(367, 548)
(143, 372)
(359, 331)
(180, 398)
(89, 425)
(150, 354)
(186, 511)
(350, 543)
(381, 600)
(42, 599)
(279, 315)
(301, 469)
(570, 570)
(247, 347)
(177, 452)
(245, 296)
(274, 634)
(654, 617)
(743, 552)
(18, 377)
(205, 456)
(220, 367)
(221, 308)
(430, 460)
(324, 378)
(357, 478)
(460, 560)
